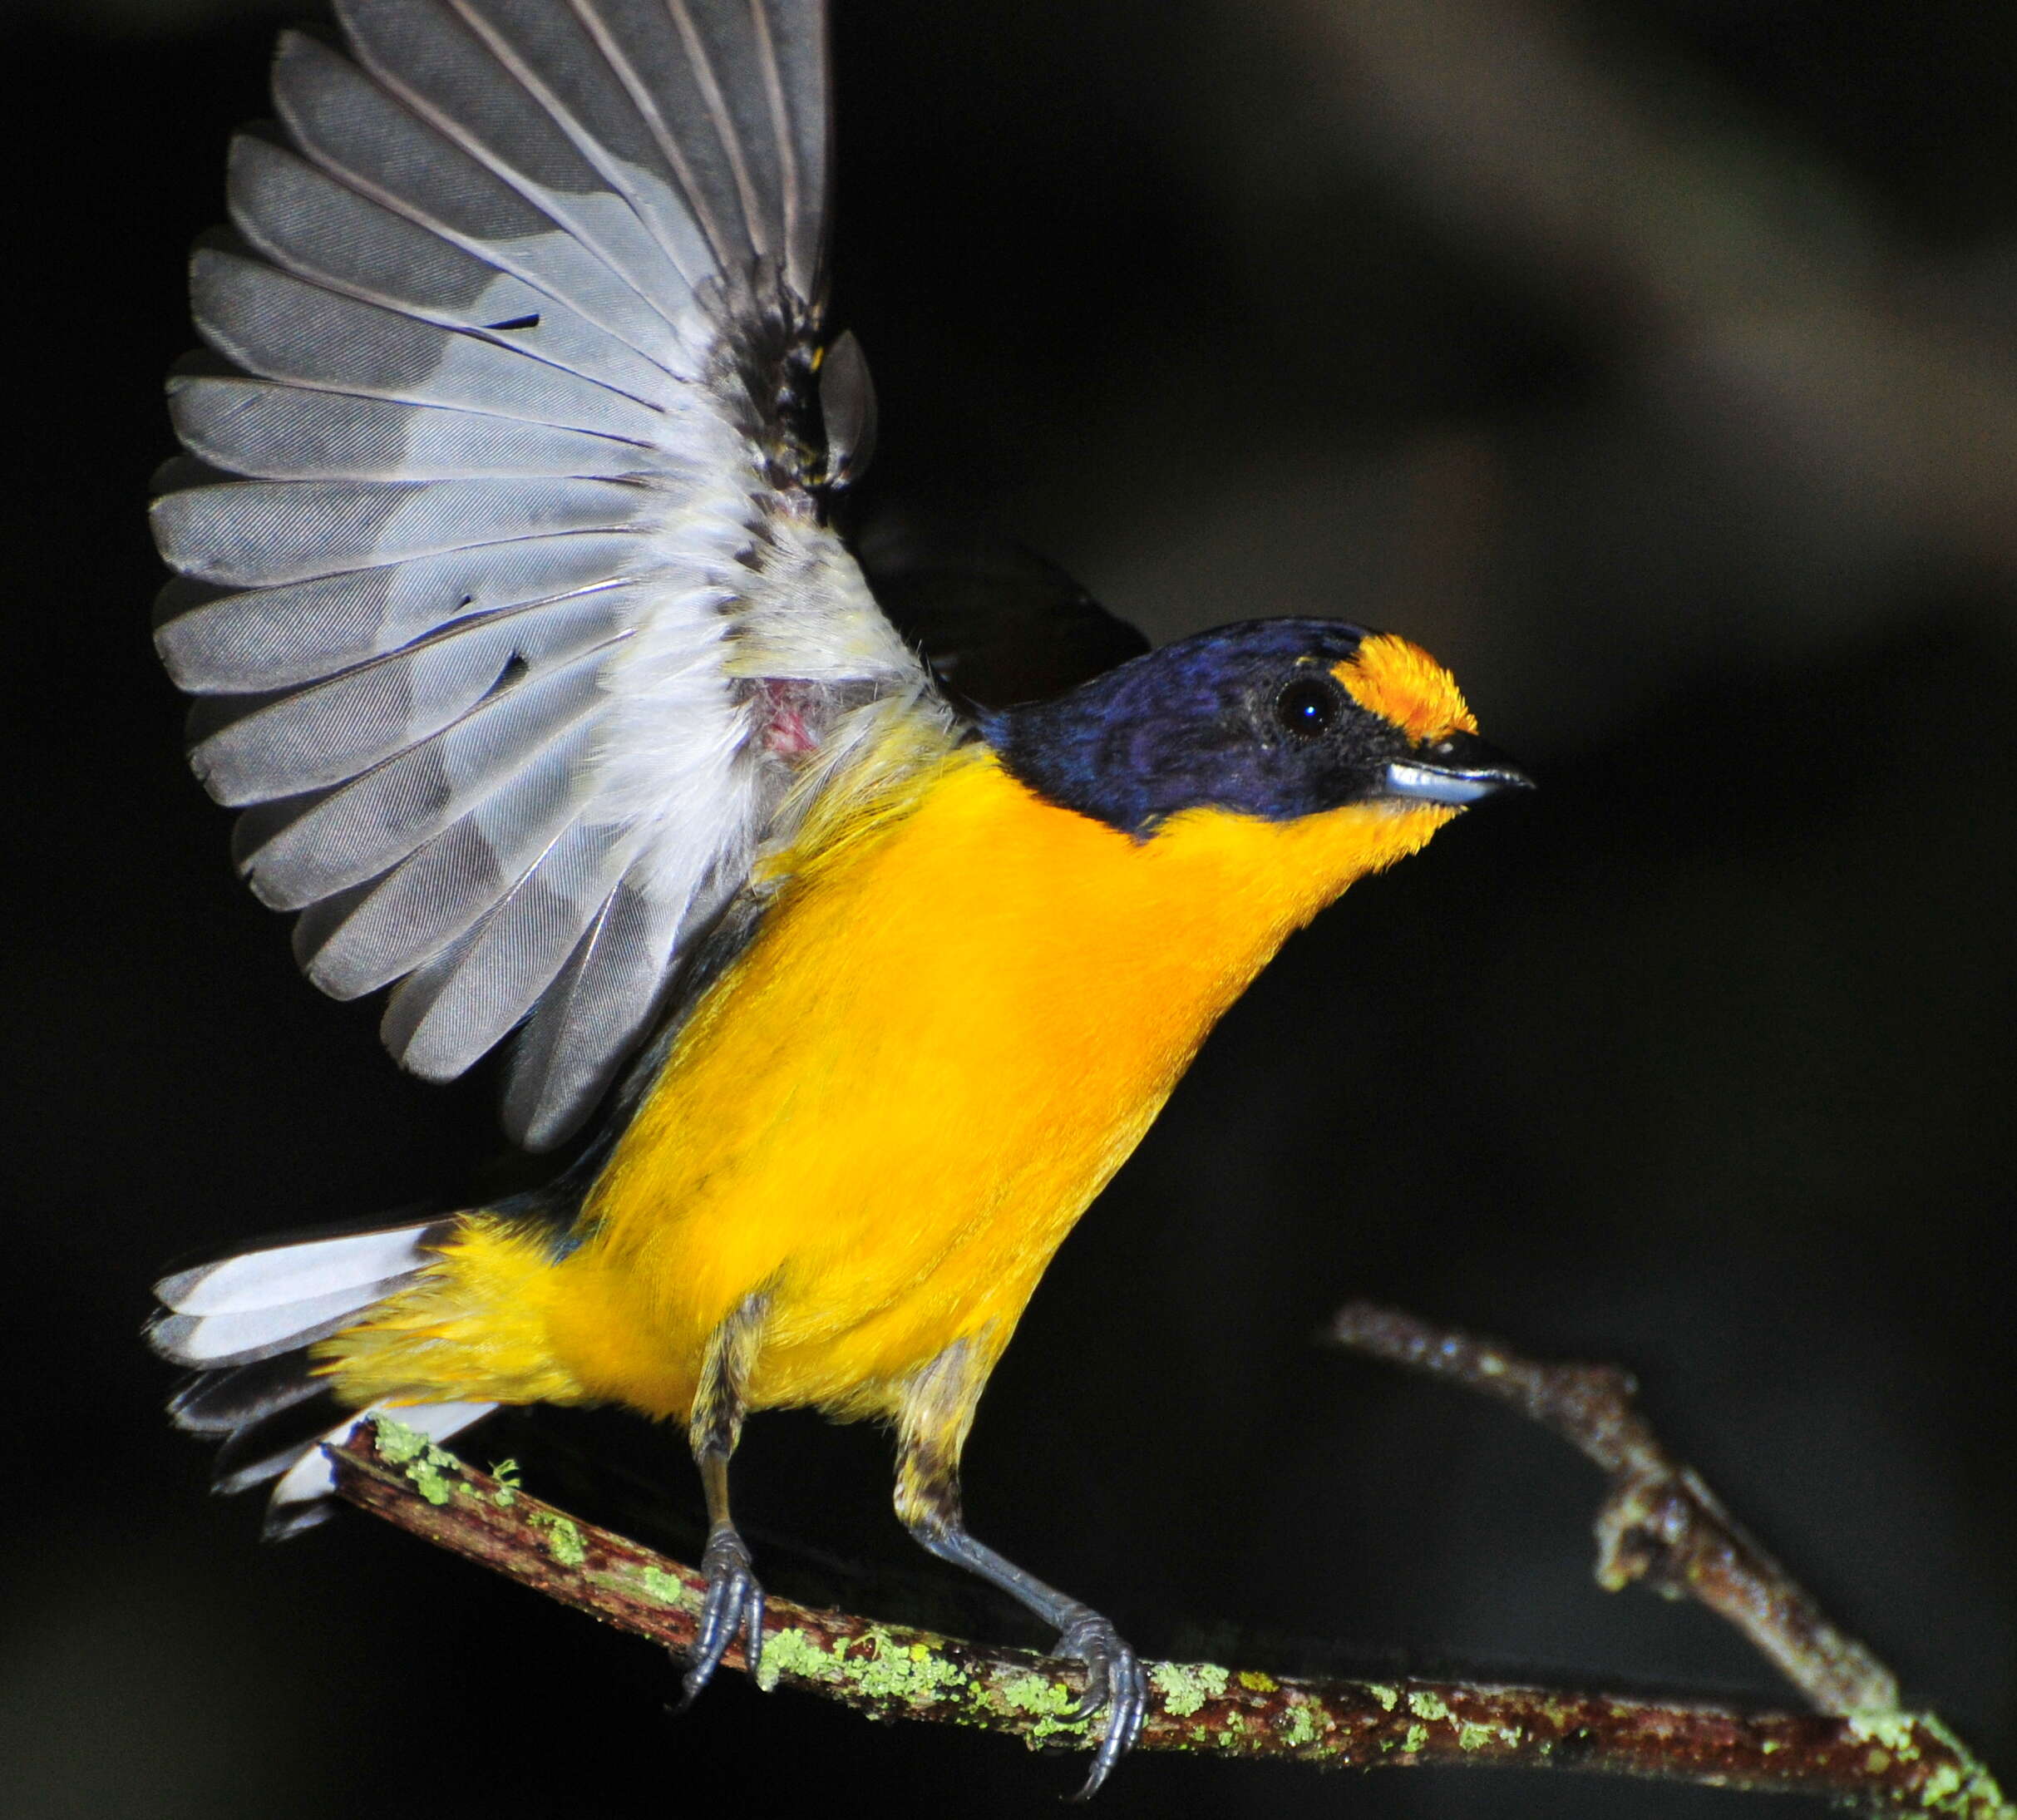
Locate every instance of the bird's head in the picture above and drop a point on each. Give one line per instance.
(1276, 720)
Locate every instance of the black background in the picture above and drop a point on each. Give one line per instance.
(1698, 1059)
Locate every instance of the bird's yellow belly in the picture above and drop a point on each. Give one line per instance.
(888, 1114)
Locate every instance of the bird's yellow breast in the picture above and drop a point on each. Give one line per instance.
(948, 1032)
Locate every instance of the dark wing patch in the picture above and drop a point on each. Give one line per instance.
(998, 623)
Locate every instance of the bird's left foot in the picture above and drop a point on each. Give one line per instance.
(1114, 1681)
(735, 1603)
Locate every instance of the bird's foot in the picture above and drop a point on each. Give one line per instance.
(735, 1603)
(1114, 1681)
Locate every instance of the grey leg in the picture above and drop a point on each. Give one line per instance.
(735, 1602)
(932, 1429)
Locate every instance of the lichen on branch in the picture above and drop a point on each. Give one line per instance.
(1893, 1761)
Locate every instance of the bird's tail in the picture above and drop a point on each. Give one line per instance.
(246, 1325)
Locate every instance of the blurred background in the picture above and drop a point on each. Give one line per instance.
(1654, 363)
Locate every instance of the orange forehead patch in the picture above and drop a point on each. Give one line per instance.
(1389, 676)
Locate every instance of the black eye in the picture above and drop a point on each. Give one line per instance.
(1306, 707)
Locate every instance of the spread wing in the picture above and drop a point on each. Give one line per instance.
(505, 579)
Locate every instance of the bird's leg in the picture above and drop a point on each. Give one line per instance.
(735, 1602)
(937, 1411)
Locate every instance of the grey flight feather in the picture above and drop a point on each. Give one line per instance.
(259, 532)
(281, 433)
(322, 229)
(611, 984)
(358, 832)
(275, 638)
(279, 328)
(358, 133)
(333, 730)
(506, 556)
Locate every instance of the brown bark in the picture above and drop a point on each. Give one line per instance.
(1889, 1760)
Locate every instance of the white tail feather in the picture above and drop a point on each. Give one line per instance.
(213, 1341)
(289, 1274)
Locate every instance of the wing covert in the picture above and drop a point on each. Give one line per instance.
(519, 634)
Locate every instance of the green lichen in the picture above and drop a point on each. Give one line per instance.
(1299, 1726)
(564, 1540)
(1186, 1686)
(1892, 1730)
(1427, 1706)
(505, 1472)
(1035, 1693)
(1048, 1702)
(1389, 1697)
(1941, 1787)
(1417, 1737)
(794, 1652)
(914, 1674)
(433, 1471)
(667, 1589)
(1258, 1682)
(1470, 1737)
(1963, 1788)
(397, 1443)
(433, 1485)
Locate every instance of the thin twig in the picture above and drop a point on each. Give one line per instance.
(1893, 1761)
(1660, 1522)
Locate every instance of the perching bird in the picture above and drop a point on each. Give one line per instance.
(557, 702)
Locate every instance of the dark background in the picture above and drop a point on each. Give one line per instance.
(1652, 363)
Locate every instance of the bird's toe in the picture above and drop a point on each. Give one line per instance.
(734, 1604)
(1114, 1681)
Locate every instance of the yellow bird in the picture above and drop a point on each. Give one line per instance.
(509, 581)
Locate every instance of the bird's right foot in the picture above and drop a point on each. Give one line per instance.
(734, 1603)
(1114, 1681)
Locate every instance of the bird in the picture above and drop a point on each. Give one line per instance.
(838, 964)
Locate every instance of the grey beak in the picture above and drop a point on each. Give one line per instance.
(1458, 770)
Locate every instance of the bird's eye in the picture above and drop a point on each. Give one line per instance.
(1306, 707)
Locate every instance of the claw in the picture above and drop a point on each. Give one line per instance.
(735, 1603)
(1114, 1681)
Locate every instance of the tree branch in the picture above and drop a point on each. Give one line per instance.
(1888, 1760)
(1659, 1523)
